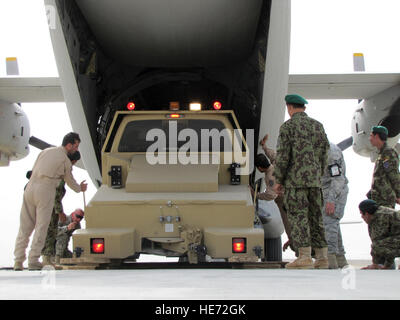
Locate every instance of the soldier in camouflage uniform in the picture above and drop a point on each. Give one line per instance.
(384, 231)
(49, 249)
(266, 164)
(335, 190)
(65, 231)
(385, 189)
(300, 163)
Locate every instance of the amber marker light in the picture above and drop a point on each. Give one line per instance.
(174, 105)
(174, 116)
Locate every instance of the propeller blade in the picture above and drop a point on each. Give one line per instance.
(358, 62)
(12, 66)
(40, 144)
(345, 143)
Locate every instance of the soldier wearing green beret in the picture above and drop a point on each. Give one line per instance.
(385, 188)
(301, 160)
(384, 231)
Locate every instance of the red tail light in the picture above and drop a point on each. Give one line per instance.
(239, 245)
(130, 106)
(217, 105)
(97, 245)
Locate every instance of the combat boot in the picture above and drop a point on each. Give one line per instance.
(321, 258)
(57, 260)
(18, 266)
(333, 264)
(341, 260)
(46, 260)
(304, 261)
(49, 261)
(35, 266)
(68, 254)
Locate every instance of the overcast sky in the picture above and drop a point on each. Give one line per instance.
(325, 34)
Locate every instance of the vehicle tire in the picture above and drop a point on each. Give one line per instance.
(185, 259)
(115, 263)
(273, 249)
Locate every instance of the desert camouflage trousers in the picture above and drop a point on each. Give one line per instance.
(49, 248)
(332, 226)
(304, 210)
(62, 245)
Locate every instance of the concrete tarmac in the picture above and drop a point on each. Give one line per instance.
(203, 284)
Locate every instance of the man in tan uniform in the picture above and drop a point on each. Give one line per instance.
(50, 167)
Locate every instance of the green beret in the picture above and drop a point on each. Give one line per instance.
(295, 98)
(379, 129)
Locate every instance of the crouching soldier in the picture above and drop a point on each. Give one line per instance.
(266, 164)
(384, 231)
(65, 231)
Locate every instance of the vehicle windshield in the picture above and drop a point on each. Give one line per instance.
(199, 134)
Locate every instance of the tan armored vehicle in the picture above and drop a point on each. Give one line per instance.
(170, 187)
(148, 54)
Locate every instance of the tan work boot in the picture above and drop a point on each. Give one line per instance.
(341, 260)
(35, 266)
(18, 266)
(321, 258)
(333, 264)
(304, 261)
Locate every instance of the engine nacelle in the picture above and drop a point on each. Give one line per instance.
(381, 109)
(14, 133)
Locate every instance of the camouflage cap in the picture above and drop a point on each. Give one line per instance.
(380, 129)
(295, 98)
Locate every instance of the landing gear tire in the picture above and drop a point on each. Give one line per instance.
(273, 249)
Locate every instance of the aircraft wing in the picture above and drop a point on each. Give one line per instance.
(341, 86)
(20, 90)
(312, 86)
